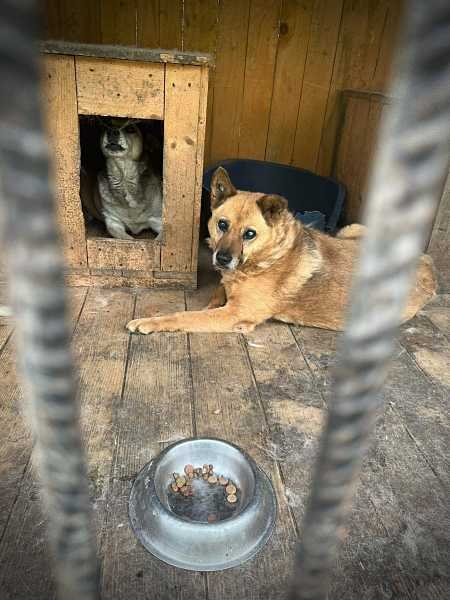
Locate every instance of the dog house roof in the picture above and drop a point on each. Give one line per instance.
(127, 53)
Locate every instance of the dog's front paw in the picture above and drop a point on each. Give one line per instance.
(144, 326)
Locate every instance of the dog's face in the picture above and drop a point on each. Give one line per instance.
(122, 140)
(242, 224)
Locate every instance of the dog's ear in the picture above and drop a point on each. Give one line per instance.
(221, 187)
(272, 207)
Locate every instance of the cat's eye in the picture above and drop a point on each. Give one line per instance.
(249, 234)
(222, 225)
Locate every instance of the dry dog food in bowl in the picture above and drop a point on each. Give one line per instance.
(199, 515)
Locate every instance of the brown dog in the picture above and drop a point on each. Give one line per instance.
(275, 268)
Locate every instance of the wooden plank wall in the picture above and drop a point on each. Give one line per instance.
(280, 64)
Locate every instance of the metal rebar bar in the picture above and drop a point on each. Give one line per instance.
(35, 266)
(406, 182)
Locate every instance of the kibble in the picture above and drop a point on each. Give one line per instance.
(212, 518)
(230, 489)
(183, 483)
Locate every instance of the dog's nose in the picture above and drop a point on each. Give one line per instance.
(113, 135)
(223, 258)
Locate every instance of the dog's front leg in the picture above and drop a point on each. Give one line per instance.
(219, 297)
(217, 320)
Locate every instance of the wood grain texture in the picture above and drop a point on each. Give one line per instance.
(258, 83)
(278, 102)
(356, 63)
(136, 255)
(16, 444)
(182, 104)
(120, 88)
(102, 365)
(439, 246)
(387, 549)
(241, 420)
(119, 22)
(200, 33)
(148, 23)
(80, 20)
(293, 44)
(155, 410)
(325, 24)
(60, 107)
(107, 278)
(171, 24)
(229, 79)
(358, 135)
(349, 161)
(200, 161)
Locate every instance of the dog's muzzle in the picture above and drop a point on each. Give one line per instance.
(224, 260)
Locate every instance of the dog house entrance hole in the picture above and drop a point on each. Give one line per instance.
(93, 162)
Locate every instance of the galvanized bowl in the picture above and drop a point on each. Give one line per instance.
(176, 530)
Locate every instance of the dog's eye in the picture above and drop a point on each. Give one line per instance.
(249, 234)
(222, 225)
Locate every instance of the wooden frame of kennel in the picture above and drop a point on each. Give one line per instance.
(85, 79)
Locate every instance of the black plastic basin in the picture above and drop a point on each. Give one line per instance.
(305, 191)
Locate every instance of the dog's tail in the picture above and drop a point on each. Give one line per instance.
(352, 232)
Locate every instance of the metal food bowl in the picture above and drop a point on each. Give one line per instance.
(176, 529)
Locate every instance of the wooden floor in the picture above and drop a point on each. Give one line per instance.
(267, 392)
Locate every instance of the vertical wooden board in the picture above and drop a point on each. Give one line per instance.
(182, 103)
(200, 33)
(349, 157)
(439, 246)
(295, 25)
(229, 79)
(118, 22)
(259, 72)
(102, 361)
(320, 57)
(358, 51)
(202, 121)
(156, 409)
(52, 20)
(80, 21)
(60, 107)
(377, 110)
(148, 23)
(389, 42)
(171, 24)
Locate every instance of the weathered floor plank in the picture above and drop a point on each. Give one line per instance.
(227, 405)
(155, 410)
(101, 362)
(396, 546)
(15, 446)
(267, 392)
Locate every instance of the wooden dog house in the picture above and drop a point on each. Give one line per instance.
(168, 86)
